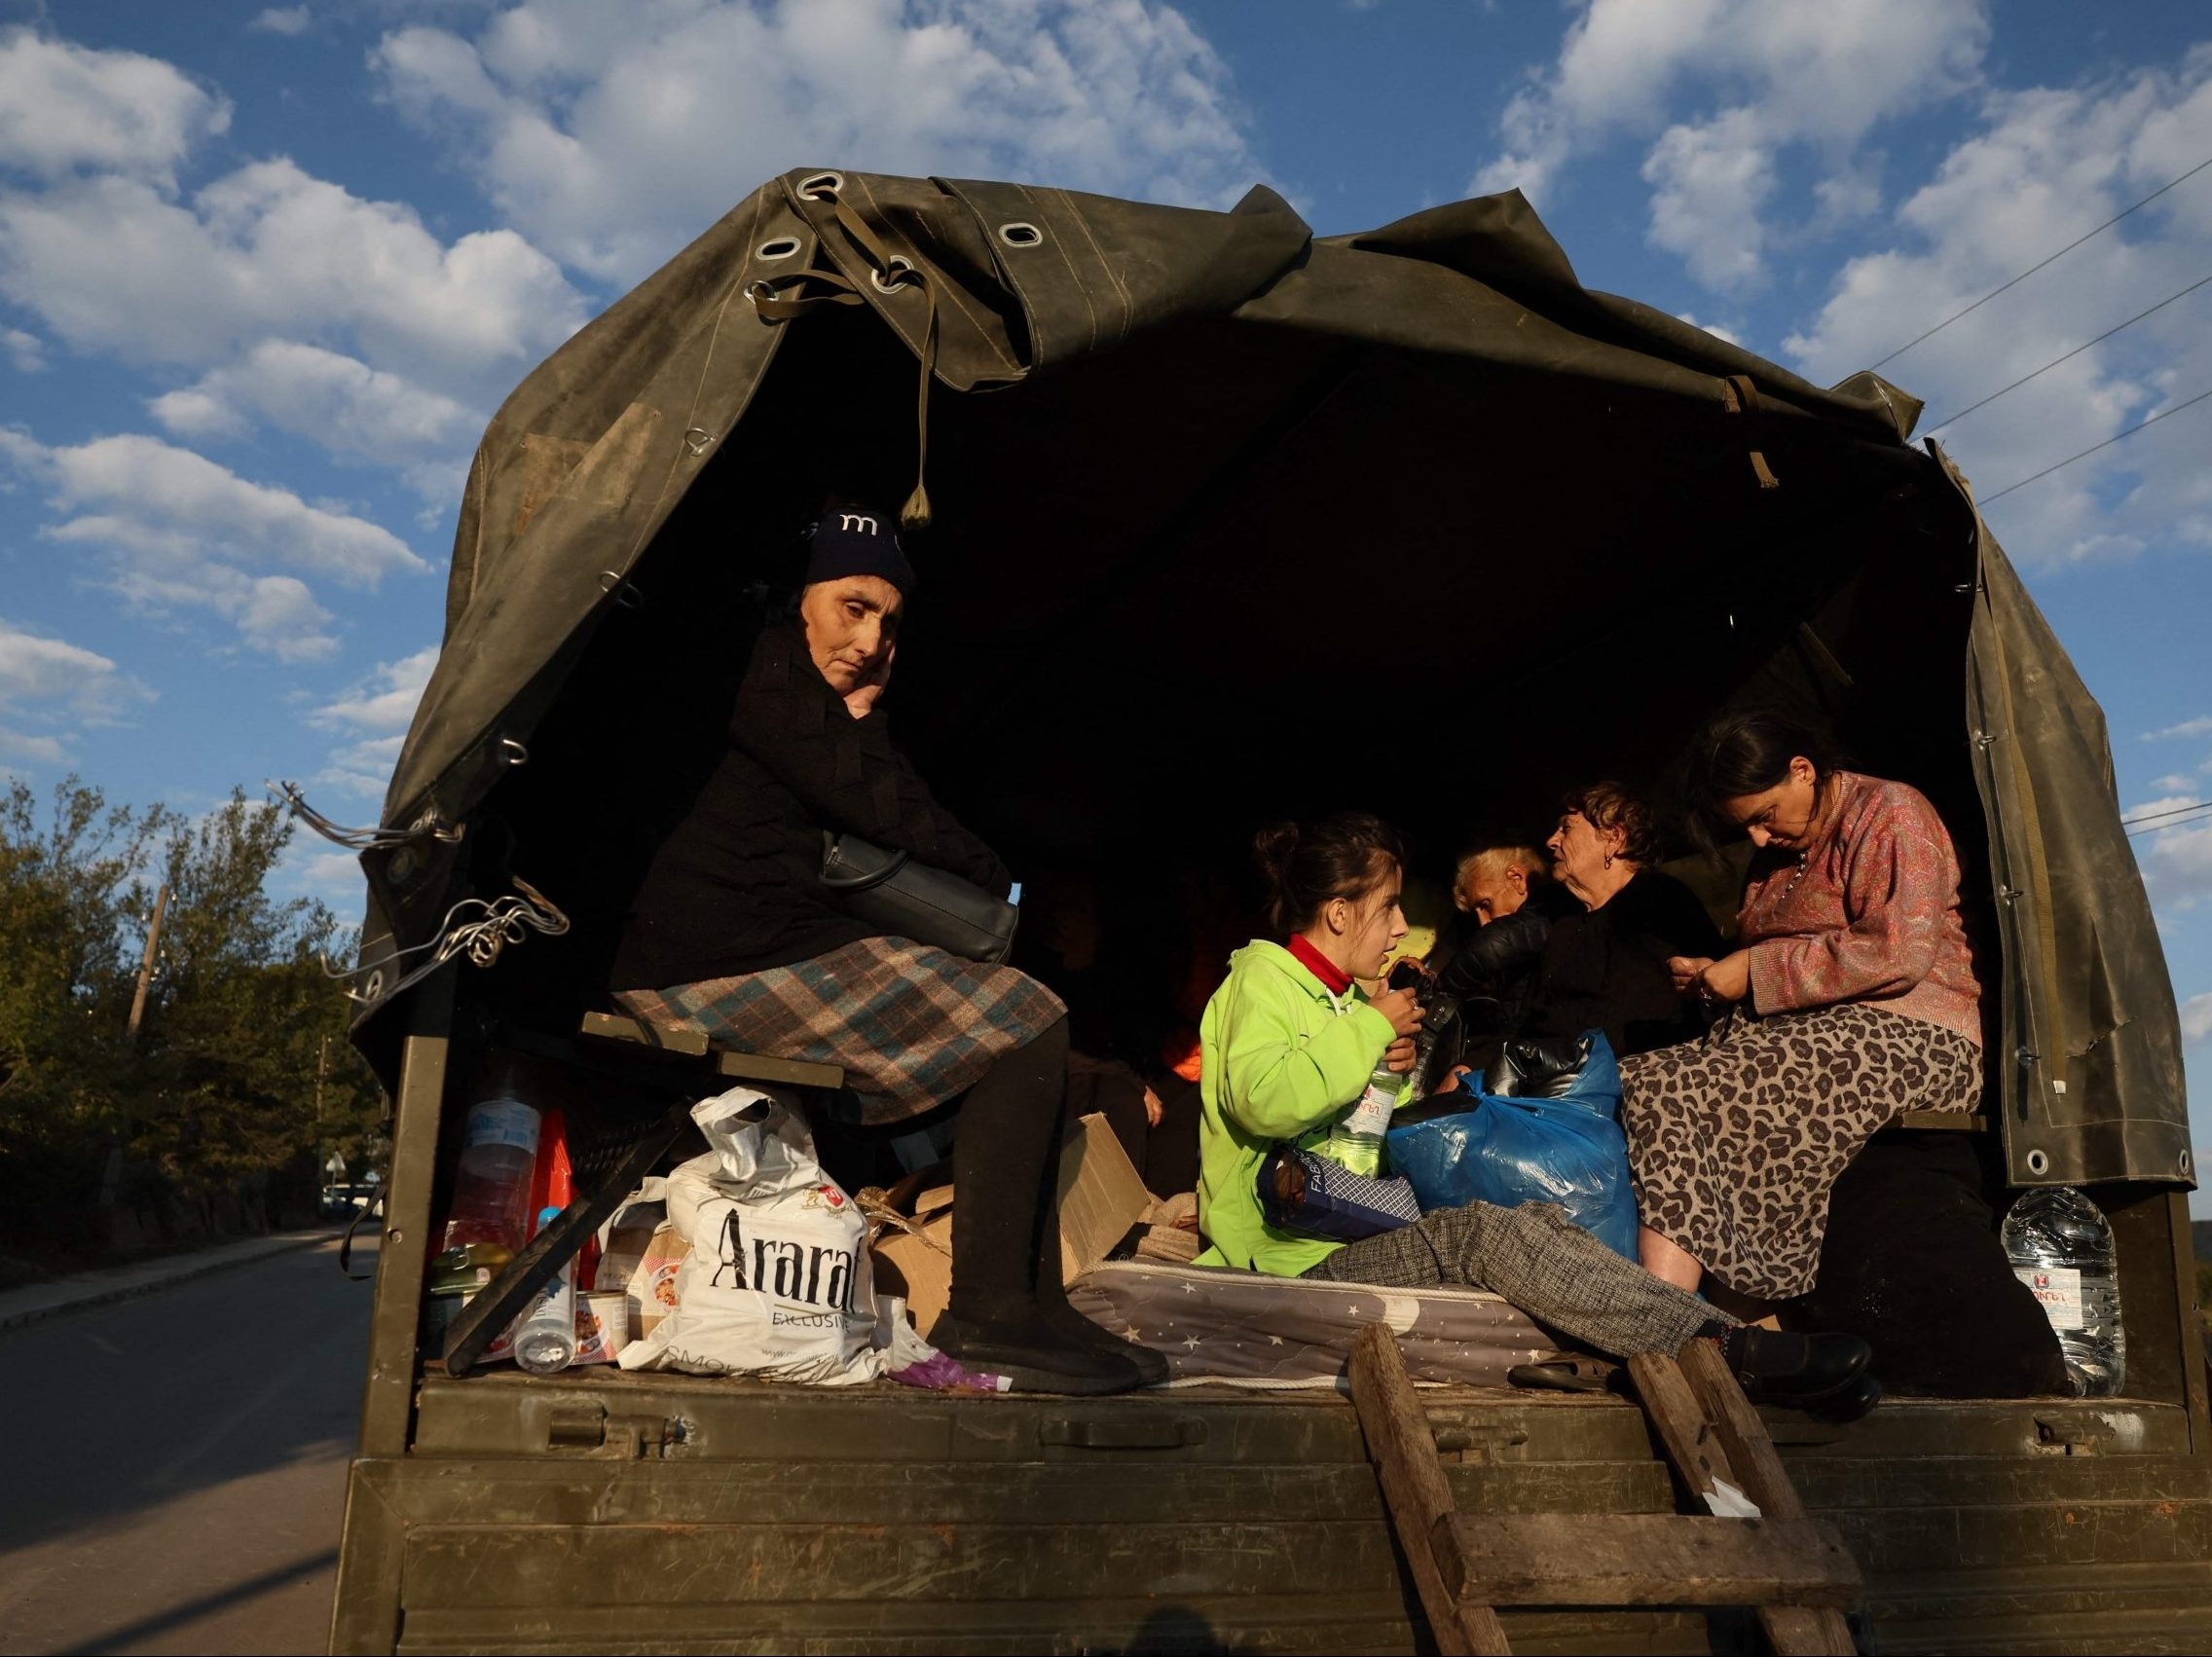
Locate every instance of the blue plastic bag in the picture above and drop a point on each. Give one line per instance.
(1567, 1150)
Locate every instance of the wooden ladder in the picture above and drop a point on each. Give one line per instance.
(1792, 1569)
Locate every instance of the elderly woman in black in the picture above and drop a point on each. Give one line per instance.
(733, 934)
(1604, 964)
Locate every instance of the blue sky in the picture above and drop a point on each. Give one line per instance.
(264, 271)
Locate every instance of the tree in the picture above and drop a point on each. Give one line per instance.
(243, 1067)
(69, 898)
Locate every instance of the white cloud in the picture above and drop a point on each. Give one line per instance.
(178, 530)
(384, 703)
(1712, 328)
(376, 713)
(614, 135)
(2177, 865)
(63, 107)
(1762, 78)
(283, 19)
(2197, 1018)
(2201, 726)
(269, 252)
(26, 352)
(45, 680)
(336, 400)
(2042, 166)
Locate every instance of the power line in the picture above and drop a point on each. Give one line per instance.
(2094, 448)
(2033, 269)
(1953, 420)
(2159, 817)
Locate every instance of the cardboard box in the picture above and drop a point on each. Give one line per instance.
(1101, 1196)
(918, 1267)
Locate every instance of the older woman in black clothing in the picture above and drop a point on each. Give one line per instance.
(1591, 953)
(733, 934)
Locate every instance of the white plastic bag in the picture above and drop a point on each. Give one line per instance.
(776, 1283)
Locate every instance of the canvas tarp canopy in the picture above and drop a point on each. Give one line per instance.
(1535, 532)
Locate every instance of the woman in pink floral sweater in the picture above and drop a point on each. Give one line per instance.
(1850, 997)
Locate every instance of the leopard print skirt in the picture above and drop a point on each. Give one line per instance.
(1734, 1141)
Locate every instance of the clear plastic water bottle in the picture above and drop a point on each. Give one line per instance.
(1356, 1139)
(491, 1193)
(2060, 1245)
(546, 1336)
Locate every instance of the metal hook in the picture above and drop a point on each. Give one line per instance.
(626, 593)
(699, 439)
(514, 752)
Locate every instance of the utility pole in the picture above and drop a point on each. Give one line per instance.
(146, 967)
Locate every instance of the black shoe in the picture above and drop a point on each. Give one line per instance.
(1034, 1355)
(1853, 1402)
(1078, 1330)
(1784, 1367)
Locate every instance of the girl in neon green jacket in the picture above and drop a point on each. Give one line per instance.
(1288, 1041)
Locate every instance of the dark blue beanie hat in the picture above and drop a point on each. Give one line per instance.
(852, 539)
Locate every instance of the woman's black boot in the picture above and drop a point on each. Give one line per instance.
(1009, 1129)
(1785, 1367)
(1052, 1300)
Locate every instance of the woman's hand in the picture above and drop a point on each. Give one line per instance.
(1154, 1110)
(1402, 1007)
(1684, 971)
(859, 701)
(1728, 979)
(1399, 1055)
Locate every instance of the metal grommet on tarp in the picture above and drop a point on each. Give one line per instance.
(777, 247)
(2038, 1162)
(820, 185)
(894, 277)
(698, 441)
(512, 751)
(625, 593)
(1020, 234)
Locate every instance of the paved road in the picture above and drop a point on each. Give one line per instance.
(175, 1465)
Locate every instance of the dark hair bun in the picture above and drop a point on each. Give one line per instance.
(1345, 856)
(1272, 848)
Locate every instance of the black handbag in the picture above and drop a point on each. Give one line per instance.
(903, 898)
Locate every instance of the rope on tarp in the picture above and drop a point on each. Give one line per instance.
(889, 272)
(360, 839)
(477, 928)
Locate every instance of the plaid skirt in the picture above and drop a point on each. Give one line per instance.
(912, 1026)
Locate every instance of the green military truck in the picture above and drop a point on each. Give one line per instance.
(1167, 450)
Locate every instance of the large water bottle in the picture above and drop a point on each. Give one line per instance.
(491, 1193)
(2060, 1244)
(546, 1336)
(1356, 1138)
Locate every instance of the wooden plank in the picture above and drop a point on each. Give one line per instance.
(1762, 1477)
(1679, 1422)
(613, 1027)
(1938, 1122)
(693, 1044)
(388, 1396)
(1402, 1448)
(788, 1072)
(1642, 1558)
